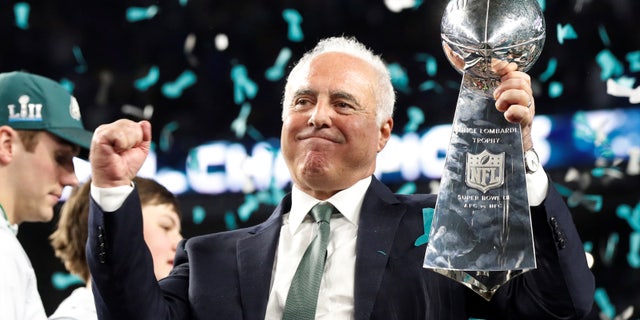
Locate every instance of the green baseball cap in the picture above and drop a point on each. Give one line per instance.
(33, 102)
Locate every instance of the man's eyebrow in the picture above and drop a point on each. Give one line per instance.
(345, 96)
(305, 92)
(75, 149)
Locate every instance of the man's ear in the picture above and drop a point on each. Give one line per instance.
(385, 133)
(7, 148)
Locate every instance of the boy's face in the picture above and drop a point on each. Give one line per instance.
(162, 234)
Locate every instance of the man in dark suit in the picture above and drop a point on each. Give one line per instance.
(337, 115)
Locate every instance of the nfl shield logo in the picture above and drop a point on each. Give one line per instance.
(485, 171)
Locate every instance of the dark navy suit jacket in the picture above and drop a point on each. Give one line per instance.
(227, 275)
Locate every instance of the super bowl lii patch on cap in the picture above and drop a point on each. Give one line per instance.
(33, 102)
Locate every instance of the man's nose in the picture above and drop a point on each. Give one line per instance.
(321, 115)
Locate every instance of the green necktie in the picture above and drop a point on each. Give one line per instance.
(302, 298)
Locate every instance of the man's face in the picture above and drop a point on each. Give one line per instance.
(39, 177)
(330, 137)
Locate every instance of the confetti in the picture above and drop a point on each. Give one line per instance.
(239, 125)
(244, 88)
(416, 118)
(427, 218)
(174, 89)
(21, 12)
(565, 32)
(198, 213)
(64, 280)
(294, 19)
(135, 14)
(148, 80)
(276, 72)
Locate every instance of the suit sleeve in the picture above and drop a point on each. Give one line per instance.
(562, 286)
(121, 266)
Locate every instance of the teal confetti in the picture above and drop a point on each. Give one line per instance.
(543, 4)
(183, 3)
(254, 133)
(431, 85)
(382, 252)
(430, 63)
(550, 71)
(247, 208)
(165, 135)
(21, 12)
(583, 133)
(427, 218)
(564, 191)
(593, 202)
(631, 215)
(243, 87)
(407, 188)
(624, 211)
(634, 61)
(276, 72)
(588, 246)
(610, 66)
(293, 19)
(581, 128)
(604, 36)
(198, 214)
(602, 300)
(626, 81)
(63, 280)
(230, 220)
(174, 89)
(239, 124)
(555, 89)
(77, 53)
(399, 77)
(149, 80)
(67, 85)
(135, 14)
(273, 195)
(453, 85)
(610, 250)
(416, 118)
(565, 32)
(633, 257)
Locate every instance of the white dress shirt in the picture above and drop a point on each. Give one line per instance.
(335, 299)
(79, 305)
(19, 297)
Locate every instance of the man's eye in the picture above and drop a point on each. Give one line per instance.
(302, 102)
(343, 105)
(64, 159)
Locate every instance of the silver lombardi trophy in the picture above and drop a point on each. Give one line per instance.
(481, 232)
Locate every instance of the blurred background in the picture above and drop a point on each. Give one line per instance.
(209, 76)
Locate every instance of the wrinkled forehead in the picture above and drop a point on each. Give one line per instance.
(337, 65)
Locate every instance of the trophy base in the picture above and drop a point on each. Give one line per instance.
(484, 283)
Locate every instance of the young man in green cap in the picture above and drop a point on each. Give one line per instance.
(40, 133)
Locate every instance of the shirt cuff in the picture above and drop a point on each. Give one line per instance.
(537, 187)
(110, 199)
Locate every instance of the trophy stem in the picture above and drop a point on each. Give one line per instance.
(481, 233)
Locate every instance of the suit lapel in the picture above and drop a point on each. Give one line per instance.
(379, 219)
(255, 265)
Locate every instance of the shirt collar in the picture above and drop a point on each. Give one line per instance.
(4, 222)
(347, 201)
